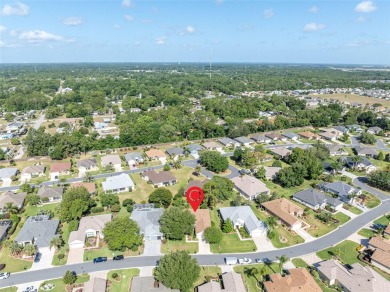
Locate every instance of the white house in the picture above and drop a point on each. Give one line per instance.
(32, 171)
(118, 184)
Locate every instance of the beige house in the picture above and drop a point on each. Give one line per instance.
(381, 256)
(296, 280)
(212, 146)
(155, 154)
(32, 171)
(231, 282)
(288, 212)
(250, 187)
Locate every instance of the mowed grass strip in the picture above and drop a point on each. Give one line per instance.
(231, 243)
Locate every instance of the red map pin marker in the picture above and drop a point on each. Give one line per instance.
(195, 196)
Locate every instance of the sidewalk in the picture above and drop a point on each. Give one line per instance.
(305, 235)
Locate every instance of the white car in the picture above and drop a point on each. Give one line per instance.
(244, 261)
(4, 276)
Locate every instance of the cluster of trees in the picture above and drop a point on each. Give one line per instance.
(216, 190)
(367, 138)
(213, 161)
(380, 179)
(176, 223)
(122, 233)
(248, 158)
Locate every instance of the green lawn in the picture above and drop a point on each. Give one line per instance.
(318, 228)
(231, 243)
(341, 217)
(367, 233)
(291, 239)
(59, 283)
(287, 192)
(90, 254)
(385, 220)
(9, 289)
(299, 263)
(345, 250)
(372, 201)
(12, 264)
(122, 283)
(251, 281)
(259, 214)
(209, 271)
(174, 245)
(63, 250)
(34, 210)
(215, 219)
(353, 209)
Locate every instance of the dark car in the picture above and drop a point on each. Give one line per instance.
(99, 260)
(118, 257)
(266, 261)
(37, 257)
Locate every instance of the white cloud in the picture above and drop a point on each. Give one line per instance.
(15, 9)
(357, 44)
(188, 30)
(2, 44)
(268, 13)
(312, 27)
(2, 29)
(129, 17)
(314, 9)
(35, 36)
(161, 40)
(127, 3)
(365, 7)
(73, 21)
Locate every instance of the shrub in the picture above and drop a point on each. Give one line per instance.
(127, 202)
(60, 256)
(314, 273)
(130, 208)
(115, 208)
(115, 275)
(134, 248)
(73, 225)
(45, 200)
(97, 209)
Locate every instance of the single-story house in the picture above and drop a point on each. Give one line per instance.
(194, 149)
(4, 226)
(196, 183)
(90, 226)
(134, 158)
(344, 191)
(280, 152)
(111, 160)
(32, 171)
(316, 200)
(118, 184)
(271, 172)
(156, 154)
(309, 135)
(374, 130)
(38, 230)
(296, 280)
(352, 279)
(274, 136)
(244, 141)
(148, 220)
(227, 142)
(336, 150)
(340, 130)
(288, 212)
(95, 285)
(7, 173)
(243, 216)
(54, 194)
(175, 152)
(362, 164)
(212, 146)
(290, 135)
(159, 179)
(149, 284)
(59, 168)
(366, 151)
(90, 186)
(260, 138)
(231, 282)
(249, 186)
(202, 220)
(329, 135)
(381, 256)
(16, 199)
(87, 165)
(355, 128)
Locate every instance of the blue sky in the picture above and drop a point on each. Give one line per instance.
(327, 31)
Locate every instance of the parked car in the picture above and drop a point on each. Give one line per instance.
(4, 275)
(266, 260)
(258, 260)
(37, 257)
(118, 257)
(378, 226)
(244, 261)
(231, 260)
(99, 260)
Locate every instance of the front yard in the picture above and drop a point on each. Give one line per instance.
(345, 250)
(231, 243)
(207, 272)
(59, 283)
(367, 233)
(175, 245)
(287, 238)
(90, 254)
(353, 209)
(123, 281)
(12, 264)
(318, 228)
(385, 220)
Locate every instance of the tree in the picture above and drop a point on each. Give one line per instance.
(198, 170)
(324, 216)
(56, 242)
(69, 278)
(367, 138)
(262, 198)
(88, 177)
(271, 233)
(213, 161)
(291, 176)
(9, 117)
(122, 233)
(217, 189)
(253, 272)
(108, 200)
(15, 141)
(282, 260)
(277, 163)
(75, 203)
(161, 196)
(26, 188)
(176, 223)
(166, 167)
(260, 173)
(14, 247)
(178, 270)
(271, 222)
(228, 226)
(177, 164)
(380, 179)
(381, 156)
(237, 154)
(10, 208)
(29, 249)
(213, 235)
(33, 199)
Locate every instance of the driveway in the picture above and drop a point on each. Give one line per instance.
(75, 255)
(118, 168)
(305, 235)
(6, 183)
(152, 247)
(204, 247)
(263, 243)
(348, 213)
(46, 259)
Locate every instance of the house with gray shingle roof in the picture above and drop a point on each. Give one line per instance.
(362, 164)
(227, 142)
(340, 129)
(87, 165)
(280, 152)
(16, 199)
(244, 141)
(260, 138)
(290, 135)
(365, 151)
(32, 171)
(148, 284)
(118, 184)
(342, 190)
(7, 173)
(95, 285)
(54, 194)
(355, 128)
(175, 152)
(111, 160)
(148, 220)
(250, 187)
(134, 158)
(231, 282)
(243, 216)
(316, 200)
(336, 150)
(193, 149)
(374, 130)
(38, 230)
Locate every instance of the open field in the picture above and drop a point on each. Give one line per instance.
(353, 98)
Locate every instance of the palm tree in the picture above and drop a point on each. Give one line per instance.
(56, 242)
(29, 249)
(198, 170)
(263, 271)
(14, 247)
(11, 208)
(282, 260)
(271, 222)
(88, 177)
(253, 273)
(177, 164)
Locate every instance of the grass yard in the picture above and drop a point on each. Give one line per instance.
(353, 209)
(341, 217)
(353, 98)
(12, 264)
(372, 201)
(318, 228)
(231, 243)
(175, 245)
(251, 281)
(259, 214)
(385, 220)
(142, 188)
(207, 271)
(367, 233)
(345, 250)
(299, 263)
(9, 289)
(63, 250)
(34, 210)
(59, 283)
(291, 239)
(90, 254)
(287, 192)
(123, 282)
